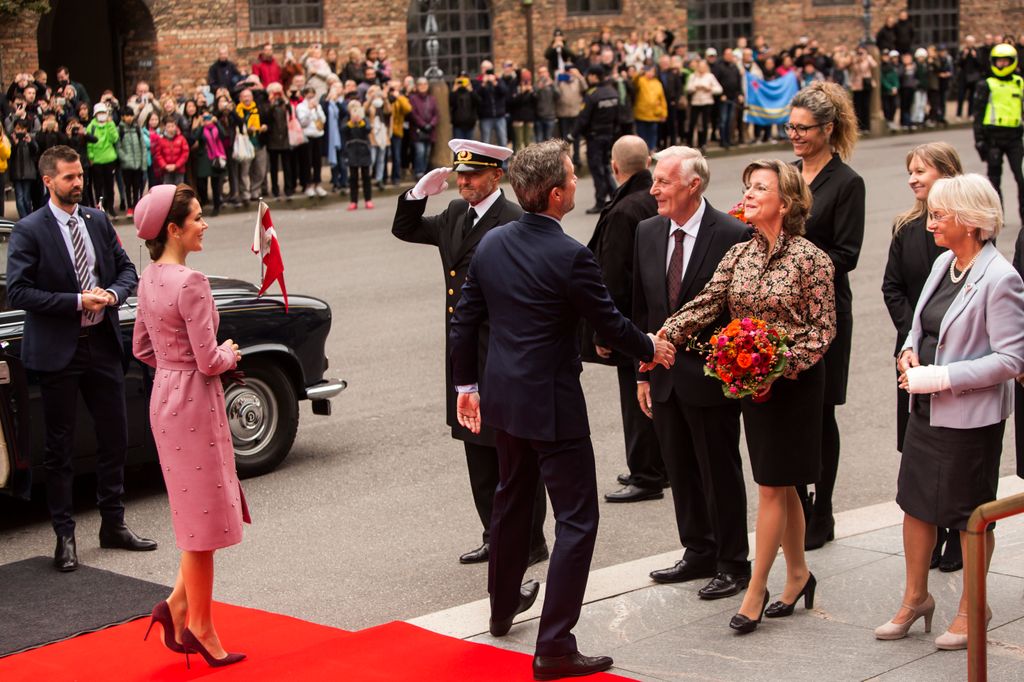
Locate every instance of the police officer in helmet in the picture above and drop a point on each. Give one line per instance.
(997, 119)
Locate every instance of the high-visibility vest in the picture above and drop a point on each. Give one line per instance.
(1005, 98)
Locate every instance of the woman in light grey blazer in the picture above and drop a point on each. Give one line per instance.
(958, 363)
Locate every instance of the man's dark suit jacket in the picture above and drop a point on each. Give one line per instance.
(41, 280)
(534, 282)
(612, 244)
(717, 234)
(445, 232)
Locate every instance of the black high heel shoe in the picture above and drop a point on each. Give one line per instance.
(162, 615)
(781, 609)
(744, 625)
(194, 646)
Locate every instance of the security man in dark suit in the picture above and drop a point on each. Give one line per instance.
(66, 269)
(598, 124)
(534, 282)
(456, 232)
(612, 245)
(698, 428)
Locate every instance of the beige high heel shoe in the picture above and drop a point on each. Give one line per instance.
(952, 641)
(893, 630)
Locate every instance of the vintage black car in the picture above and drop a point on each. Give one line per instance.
(283, 361)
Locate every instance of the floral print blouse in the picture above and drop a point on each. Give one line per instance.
(792, 289)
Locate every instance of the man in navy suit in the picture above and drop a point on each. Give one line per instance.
(676, 254)
(534, 283)
(66, 269)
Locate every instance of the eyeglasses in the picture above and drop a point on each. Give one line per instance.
(938, 217)
(799, 130)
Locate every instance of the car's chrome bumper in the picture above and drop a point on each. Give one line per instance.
(326, 390)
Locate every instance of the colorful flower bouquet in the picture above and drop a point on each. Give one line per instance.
(745, 355)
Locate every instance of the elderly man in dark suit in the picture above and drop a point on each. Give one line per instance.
(66, 269)
(612, 245)
(698, 428)
(534, 283)
(456, 231)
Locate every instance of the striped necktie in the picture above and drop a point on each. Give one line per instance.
(85, 279)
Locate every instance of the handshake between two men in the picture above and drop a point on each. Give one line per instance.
(468, 407)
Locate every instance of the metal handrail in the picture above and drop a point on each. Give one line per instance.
(975, 576)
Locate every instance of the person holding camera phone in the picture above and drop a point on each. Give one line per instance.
(23, 158)
(211, 159)
(494, 94)
(463, 103)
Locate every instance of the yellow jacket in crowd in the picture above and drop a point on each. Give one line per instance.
(5, 153)
(650, 104)
(400, 108)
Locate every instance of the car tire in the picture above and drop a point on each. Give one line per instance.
(263, 416)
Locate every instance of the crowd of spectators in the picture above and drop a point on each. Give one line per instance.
(268, 130)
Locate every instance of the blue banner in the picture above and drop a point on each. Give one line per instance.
(768, 101)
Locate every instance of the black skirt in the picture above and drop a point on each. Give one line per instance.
(946, 473)
(784, 432)
(837, 361)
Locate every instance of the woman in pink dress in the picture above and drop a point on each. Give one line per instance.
(176, 333)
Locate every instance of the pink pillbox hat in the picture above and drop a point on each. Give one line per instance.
(152, 209)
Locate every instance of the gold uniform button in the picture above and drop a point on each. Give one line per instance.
(452, 273)
(451, 309)
(451, 292)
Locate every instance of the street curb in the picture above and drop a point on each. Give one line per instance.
(469, 620)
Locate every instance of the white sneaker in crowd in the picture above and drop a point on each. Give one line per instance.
(310, 192)
(320, 191)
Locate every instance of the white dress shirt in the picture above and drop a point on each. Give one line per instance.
(691, 227)
(485, 205)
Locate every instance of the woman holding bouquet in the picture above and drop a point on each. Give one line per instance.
(911, 255)
(965, 347)
(783, 279)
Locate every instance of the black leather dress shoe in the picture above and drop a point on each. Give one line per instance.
(539, 554)
(594, 210)
(477, 556)
(573, 665)
(632, 493)
(623, 479)
(724, 585)
(682, 572)
(123, 537)
(527, 595)
(65, 557)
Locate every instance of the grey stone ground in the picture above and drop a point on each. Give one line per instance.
(664, 632)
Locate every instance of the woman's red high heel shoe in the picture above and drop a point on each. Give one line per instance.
(194, 646)
(162, 615)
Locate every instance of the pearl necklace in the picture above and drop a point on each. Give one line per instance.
(963, 273)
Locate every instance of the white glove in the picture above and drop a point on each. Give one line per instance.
(928, 379)
(434, 182)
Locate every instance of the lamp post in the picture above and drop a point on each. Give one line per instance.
(528, 9)
(868, 39)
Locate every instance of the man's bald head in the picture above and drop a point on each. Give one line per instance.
(629, 156)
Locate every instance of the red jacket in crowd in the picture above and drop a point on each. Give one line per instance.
(167, 152)
(269, 72)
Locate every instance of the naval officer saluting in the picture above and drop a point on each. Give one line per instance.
(456, 231)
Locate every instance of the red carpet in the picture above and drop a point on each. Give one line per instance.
(279, 648)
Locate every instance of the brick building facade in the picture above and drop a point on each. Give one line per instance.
(114, 43)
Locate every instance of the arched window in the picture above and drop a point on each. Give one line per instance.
(463, 35)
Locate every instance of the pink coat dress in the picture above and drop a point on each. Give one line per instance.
(176, 332)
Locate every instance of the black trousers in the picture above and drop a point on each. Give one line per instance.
(643, 456)
(700, 122)
(134, 181)
(354, 174)
(701, 449)
(599, 154)
(567, 470)
(95, 371)
(482, 463)
(282, 158)
(103, 184)
(1013, 149)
